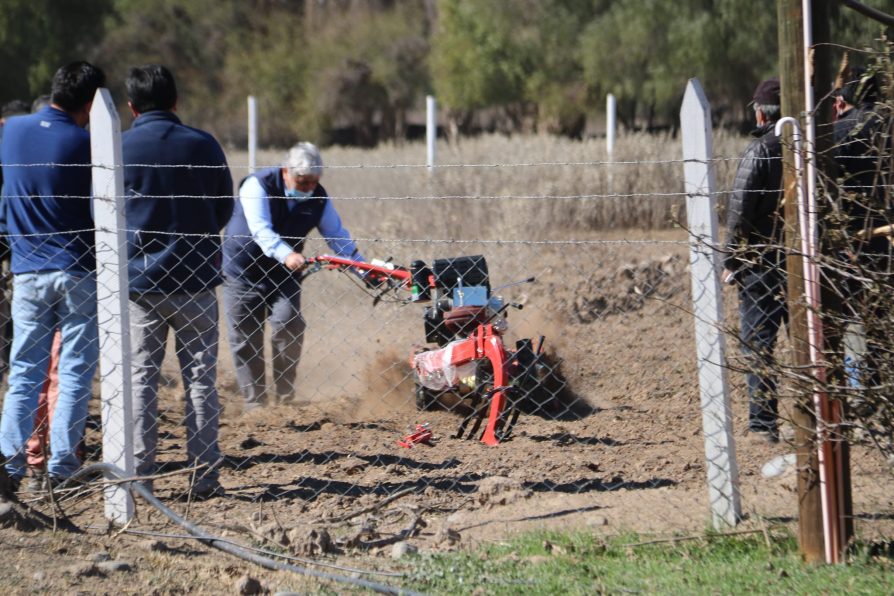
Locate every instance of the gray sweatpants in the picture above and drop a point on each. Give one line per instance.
(193, 317)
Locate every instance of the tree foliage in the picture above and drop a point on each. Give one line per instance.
(192, 38)
(38, 36)
(371, 82)
(329, 71)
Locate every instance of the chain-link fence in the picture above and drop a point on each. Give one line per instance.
(809, 266)
(518, 275)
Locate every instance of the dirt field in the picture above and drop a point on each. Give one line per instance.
(624, 453)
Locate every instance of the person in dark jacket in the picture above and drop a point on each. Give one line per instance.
(276, 210)
(179, 197)
(755, 261)
(861, 145)
(862, 151)
(46, 192)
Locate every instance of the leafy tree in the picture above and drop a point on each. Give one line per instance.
(523, 58)
(728, 45)
(859, 35)
(310, 81)
(320, 66)
(479, 59)
(378, 76)
(555, 83)
(192, 38)
(625, 52)
(401, 65)
(39, 36)
(271, 60)
(643, 51)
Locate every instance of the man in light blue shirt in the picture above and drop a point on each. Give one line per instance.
(277, 208)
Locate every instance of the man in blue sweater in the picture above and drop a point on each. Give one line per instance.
(277, 209)
(179, 197)
(46, 194)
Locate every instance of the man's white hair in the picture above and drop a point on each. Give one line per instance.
(771, 111)
(304, 159)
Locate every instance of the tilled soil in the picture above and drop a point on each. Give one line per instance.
(325, 477)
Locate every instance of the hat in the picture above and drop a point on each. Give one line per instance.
(767, 93)
(859, 85)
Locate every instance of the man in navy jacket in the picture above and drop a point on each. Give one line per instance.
(46, 194)
(179, 197)
(277, 209)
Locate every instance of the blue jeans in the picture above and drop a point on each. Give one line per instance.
(42, 302)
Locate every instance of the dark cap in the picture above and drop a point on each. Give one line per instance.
(859, 85)
(767, 93)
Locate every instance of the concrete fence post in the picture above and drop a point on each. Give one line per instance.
(707, 303)
(431, 130)
(252, 134)
(611, 131)
(116, 392)
(611, 124)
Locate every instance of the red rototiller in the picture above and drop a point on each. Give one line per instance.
(466, 321)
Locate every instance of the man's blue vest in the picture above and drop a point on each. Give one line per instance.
(293, 220)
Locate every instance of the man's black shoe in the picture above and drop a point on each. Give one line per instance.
(208, 491)
(8, 485)
(770, 436)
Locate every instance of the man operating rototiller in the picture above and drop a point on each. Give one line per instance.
(466, 320)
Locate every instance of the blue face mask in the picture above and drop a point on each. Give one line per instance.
(294, 193)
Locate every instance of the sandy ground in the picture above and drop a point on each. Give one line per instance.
(624, 454)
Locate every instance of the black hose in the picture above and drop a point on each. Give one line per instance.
(114, 472)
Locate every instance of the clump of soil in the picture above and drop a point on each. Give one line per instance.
(499, 490)
(626, 288)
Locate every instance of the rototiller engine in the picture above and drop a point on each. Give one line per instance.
(466, 320)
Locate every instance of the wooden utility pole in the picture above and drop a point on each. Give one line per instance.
(791, 73)
(791, 65)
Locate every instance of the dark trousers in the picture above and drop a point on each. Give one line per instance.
(247, 308)
(762, 310)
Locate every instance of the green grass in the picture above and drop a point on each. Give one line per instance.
(548, 563)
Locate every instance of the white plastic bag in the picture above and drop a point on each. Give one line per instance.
(434, 370)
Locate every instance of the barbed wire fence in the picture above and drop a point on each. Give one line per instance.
(601, 383)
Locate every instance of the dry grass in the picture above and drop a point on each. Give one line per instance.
(483, 192)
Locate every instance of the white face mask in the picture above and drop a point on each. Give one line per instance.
(294, 193)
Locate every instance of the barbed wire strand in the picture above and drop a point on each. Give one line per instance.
(399, 166)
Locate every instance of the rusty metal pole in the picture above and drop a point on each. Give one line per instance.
(824, 66)
(791, 73)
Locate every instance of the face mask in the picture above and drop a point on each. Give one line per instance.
(301, 195)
